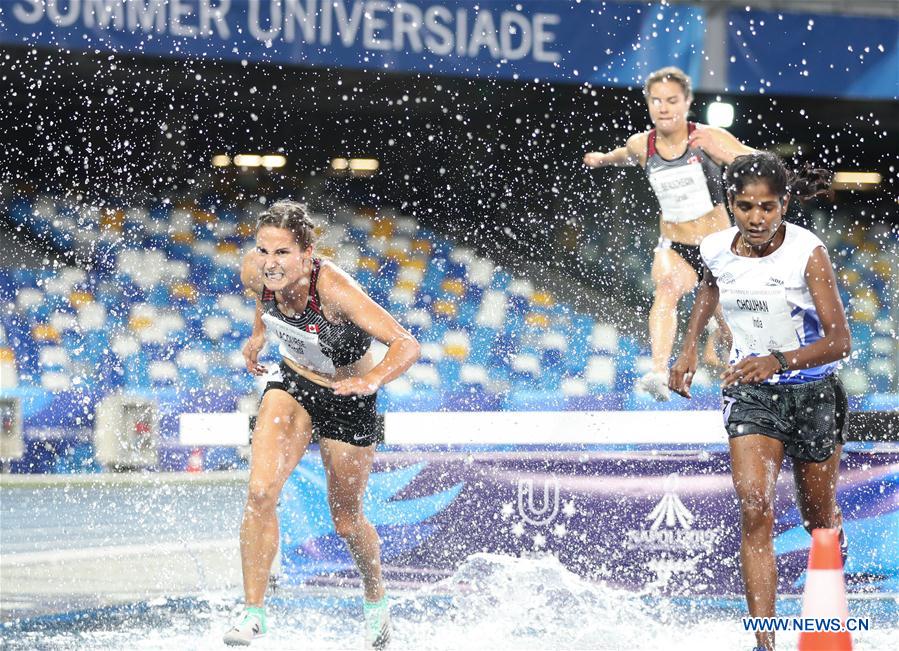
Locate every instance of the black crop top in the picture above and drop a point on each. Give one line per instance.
(342, 343)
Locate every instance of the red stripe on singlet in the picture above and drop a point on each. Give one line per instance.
(313, 280)
(651, 140)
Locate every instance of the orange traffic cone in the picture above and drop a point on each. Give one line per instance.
(825, 593)
(195, 461)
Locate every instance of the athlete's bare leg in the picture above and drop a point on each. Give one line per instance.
(673, 278)
(755, 465)
(282, 434)
(347, 467)
(816, 492)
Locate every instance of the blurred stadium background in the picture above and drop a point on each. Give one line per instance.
(139, 144)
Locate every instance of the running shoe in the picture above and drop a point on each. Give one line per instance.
(250, 627)
(377, 624)
(656, 385)
(844, 548)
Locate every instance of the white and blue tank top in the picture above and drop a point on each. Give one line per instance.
(766, 301)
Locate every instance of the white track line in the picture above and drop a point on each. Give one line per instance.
(113, 551)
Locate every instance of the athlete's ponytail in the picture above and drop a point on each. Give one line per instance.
(765, 166)
(810, 182)
(294, 217)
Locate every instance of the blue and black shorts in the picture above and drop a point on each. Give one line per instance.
(808, 418)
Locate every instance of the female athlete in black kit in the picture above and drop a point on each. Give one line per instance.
(324, 323)
(684, 163)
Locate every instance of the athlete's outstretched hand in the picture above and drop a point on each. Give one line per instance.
(250, 352)
(354, 386)
(680, 377)
(751, 370)
(594, 159)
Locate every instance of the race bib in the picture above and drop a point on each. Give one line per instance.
(759, 318)
(299, 346)
(683, 192)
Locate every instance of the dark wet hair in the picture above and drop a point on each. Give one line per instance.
(765, 166)
(293, 216)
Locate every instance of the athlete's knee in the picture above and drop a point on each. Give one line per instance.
(262, 497)
(756, 510)
(348, 525)
(668, 290)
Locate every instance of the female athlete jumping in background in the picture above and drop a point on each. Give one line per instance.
(684, 162)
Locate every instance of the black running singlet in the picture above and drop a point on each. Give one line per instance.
(309, 339)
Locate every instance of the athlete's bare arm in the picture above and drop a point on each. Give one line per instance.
(719, 144)
(346, 300)
(633, 153)
(681, 375)
(251, 278)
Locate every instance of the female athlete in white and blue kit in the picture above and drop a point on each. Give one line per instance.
(326, 383)
(776, 285)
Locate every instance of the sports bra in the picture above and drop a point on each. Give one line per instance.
(309, 339)
(688, 186)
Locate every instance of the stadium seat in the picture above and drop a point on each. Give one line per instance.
(604, 338)
(56, 381)
(601, 372)
(423, 375)
(525, 366)
(882, 375)
(9, 374)
(456, 345)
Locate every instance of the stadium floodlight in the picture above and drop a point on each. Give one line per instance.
(856, 180)
(274, 160)
(339, 164)
(364, 164)
(787, 149)
(720, 114)
(248, 160)
(221, 160)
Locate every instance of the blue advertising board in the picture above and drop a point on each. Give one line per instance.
(804, 54)
(638, 518)
(609, 43)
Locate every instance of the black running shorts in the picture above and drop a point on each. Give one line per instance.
(809, 418)
(690, 254)
(351, 419)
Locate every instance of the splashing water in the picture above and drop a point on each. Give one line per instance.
(491, 602)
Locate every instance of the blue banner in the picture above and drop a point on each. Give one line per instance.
(610, 43)
(669, 521)
(805, 54)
